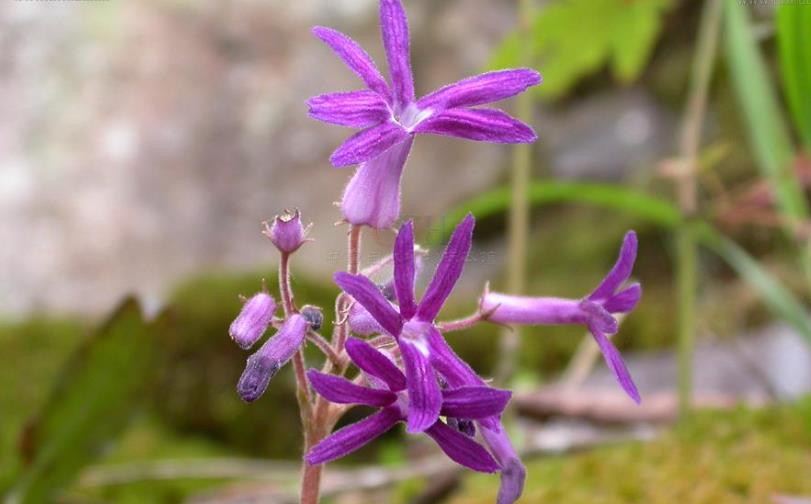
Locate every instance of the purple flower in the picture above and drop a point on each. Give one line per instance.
(388, 392)
(253, 320)
(390, 117)
(287, 232)
(266, 362)
(595, 311)
(422, 347)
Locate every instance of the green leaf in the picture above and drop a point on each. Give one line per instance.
(91, 403)
(766, 128)
(794, 44)
(574, 38)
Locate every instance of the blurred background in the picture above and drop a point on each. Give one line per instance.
(143, 143)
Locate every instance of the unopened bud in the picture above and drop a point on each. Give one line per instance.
(253, 320)
(314, 316)
(287, 232)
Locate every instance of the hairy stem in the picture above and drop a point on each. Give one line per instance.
(461, 324)
(686, 247)
(519, 210)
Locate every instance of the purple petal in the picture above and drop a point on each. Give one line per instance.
(485, 88)
(368, 144)
(367, 294)
(371, 361)
(461, 449)
(474, 402)
(342, 391)
(355, 58)
(620, 272)
(483, 125)
(356, 109)
(617, 365)
(456, 372)
(394, 28)
(624, 301)
(405, 270)
(513, 472)
(599, 318)
(353, 437)
(424, 396)
(372, 197)
(449, 270)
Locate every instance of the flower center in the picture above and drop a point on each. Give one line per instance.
(411, 116)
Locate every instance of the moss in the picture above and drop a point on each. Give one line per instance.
(742, 456)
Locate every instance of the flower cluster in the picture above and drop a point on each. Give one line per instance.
(405, 367)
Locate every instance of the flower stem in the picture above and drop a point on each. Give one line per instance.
(687, 191)
(519, 210)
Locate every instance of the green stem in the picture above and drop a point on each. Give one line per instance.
(519, 209)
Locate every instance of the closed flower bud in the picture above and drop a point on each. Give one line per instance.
(314, 316)
(253, 320)
(287, 232)
(275, 353)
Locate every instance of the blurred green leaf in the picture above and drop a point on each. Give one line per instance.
(794, 43)
(766, 128)
(92, 400)
(574, 38)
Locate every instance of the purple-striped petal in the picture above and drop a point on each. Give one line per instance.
(513, 472)
(371, 361)
(405, 270)
(424, 396)
(485, 88)
(449, 270)
(456, 372)
(342, 391)
(617, 365)
(353, 437)
(356, 109)
(474, 402)
(624, 301)
(355, 58)
(483, 125)
(372, 197)
(367, 294)
(368, 144)
(620, 272)
(462, 449)
(394, 29)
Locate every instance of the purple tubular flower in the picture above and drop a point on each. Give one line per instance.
(594, 311)
(423, 349)
(266, 362)
(391, 116)
(253, 320)
(287, 232)
(394, 403)
(513, 472)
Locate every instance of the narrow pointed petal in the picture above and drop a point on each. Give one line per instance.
(620, 272)
(405, 270)
(372, 197)
(356, 109)
(424, 396)
(599, 318)
(368, 144)
(462, 449)
(474, 402)
(367, 294)
(448, 271)
(624, 301)
(371, 361)
(355, 58)
(482, 125)
(513, 472)
(394, 29)
(485, 88)
(342, 391)
(614, 361)
(353, 437)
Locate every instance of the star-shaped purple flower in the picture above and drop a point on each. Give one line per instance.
(388, 392)
(595, 311)
(390, 116)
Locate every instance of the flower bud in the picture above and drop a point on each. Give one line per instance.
(275, 353)
(314, 316)
(253, 320)
(287, 232)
